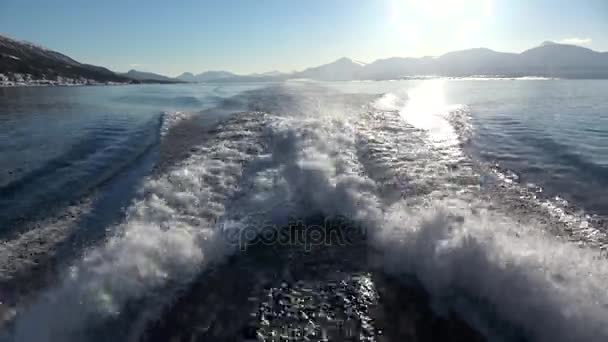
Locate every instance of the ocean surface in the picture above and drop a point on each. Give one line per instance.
(447, 209)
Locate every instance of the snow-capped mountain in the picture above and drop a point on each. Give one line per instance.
(26, 63)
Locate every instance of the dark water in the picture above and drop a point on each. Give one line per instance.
(154, 212)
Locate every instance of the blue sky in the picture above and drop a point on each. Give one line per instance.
(244, 36)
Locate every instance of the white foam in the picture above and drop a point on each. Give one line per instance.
(490, 266)
(25, 251)
(167, 237)
(495, 268)
(470, 257)
(508, 277)
(170, 119)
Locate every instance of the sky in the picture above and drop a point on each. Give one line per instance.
(248, 36)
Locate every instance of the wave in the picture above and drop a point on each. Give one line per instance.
(167, 236)
(33, 249)
(170, 119)
(315, 152)
(84, 166)
(155, 100)
(509, 279)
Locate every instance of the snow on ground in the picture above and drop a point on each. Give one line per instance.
(27, 80)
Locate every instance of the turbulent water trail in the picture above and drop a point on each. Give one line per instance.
(166, 238)
(309, 152)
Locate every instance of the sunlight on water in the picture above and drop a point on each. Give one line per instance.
(397, 171)
(426, 108)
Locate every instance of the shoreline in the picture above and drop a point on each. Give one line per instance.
(46, 83)
(43, 85)
(50, 83)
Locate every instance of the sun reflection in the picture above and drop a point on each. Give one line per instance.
(427, 109)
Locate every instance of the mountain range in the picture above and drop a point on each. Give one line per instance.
(547, 60)
(26, 63)
(150, 77)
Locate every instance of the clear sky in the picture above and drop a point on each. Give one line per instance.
(244, 36)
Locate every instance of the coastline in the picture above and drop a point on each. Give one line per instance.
(89, 82)
(41, 84)
(26, 80)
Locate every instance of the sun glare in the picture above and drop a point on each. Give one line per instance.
(421, 22)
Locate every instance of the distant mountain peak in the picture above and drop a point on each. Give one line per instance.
(547, 43)
(205, 76)
(339, 70)
(144, 76)
(347, 61)
(343, 60)
(472, 51)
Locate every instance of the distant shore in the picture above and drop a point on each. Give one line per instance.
(12, 80)
(77, 83)
(57, 84)
(27, 80)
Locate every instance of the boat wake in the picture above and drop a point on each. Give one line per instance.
(392, 166)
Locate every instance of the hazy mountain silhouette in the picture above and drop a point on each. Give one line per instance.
(397, 67)
(225, 76)
(547, 60)
(479, 61)
(342, 69)
(150, 77)
(205, 76)
(560, 60)
(187, 77)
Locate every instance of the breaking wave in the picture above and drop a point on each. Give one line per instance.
(393, 165)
